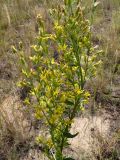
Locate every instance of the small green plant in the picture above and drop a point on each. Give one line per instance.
(57, 80)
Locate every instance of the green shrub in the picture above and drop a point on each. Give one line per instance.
(56, 80)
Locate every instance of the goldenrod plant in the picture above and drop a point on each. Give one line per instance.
(57, 75)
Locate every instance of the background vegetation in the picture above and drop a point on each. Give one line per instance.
(18, 23)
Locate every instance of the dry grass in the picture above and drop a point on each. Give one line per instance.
(18, 23)
(14, 128)
(106, 148)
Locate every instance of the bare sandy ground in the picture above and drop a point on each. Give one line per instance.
(86, 125)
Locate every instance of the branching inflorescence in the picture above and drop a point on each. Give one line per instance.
(57, 84)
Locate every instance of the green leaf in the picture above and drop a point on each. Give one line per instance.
(69, 102)
(69, 135)
(69, 158)
(66, 144)
(69, 2)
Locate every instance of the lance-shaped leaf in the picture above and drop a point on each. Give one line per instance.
(69, 158)
(69, 102)
(69, 135)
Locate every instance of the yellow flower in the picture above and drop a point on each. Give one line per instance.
(77, 90)
(53, 118)
(52, 61)
(43, 104)
(87, 94)
(56, 92)
(63, 98)
(74, 68)
(82, 108)
(38, 115)
(49, 143)
(26, 101)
